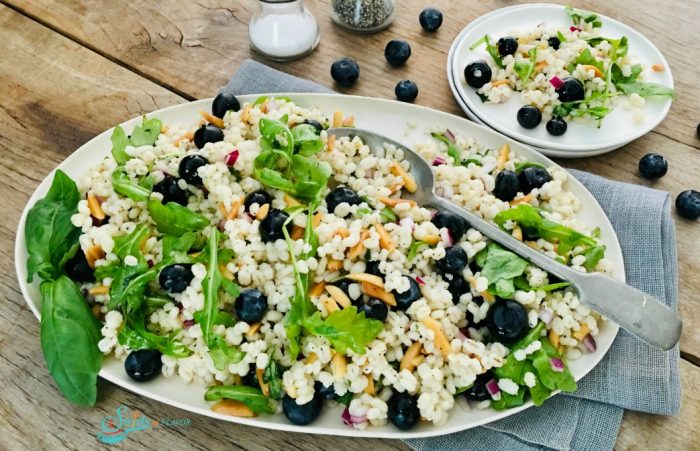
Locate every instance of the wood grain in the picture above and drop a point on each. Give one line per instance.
(58, 93)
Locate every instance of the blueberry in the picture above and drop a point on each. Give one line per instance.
(452, 222)
(344, 285)
(507, 321)
(688, 204)
(271, 226)
(403, 411)
(315, 124)
(408, 297)
(260, 197)
(374, 309)
(345, 71)
(78, 268)
(326, 392)
(397, 52)
(251, 378)
(188, 169)
(406, 91)
(529, 116)
(554, 42)
(339, 195)
(556, 126)
(507, 46)
(143, 365)
(457, 286)
(454, 261)
(532, 177)
(653, 166)
(224, 102)
(430, 19)
(207, 134)
(250, 306)
(571, 90)
(477, 74)
(478, 391)
(171, 191)
(175, 278)
(302, 414)
(507, 186)
(372, 267)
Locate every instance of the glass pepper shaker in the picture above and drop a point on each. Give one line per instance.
(283, 29)
(364, 16)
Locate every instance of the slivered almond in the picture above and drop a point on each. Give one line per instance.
(503, 157)
(517, 233)
(235, 205)
(339, 365)
(290, 201)
(164, 128)
(334, 265)
(431, 239)
(99, 289)
(488, 297)
(357, 249)
(408, 180)
(374, 291)
(500, 83)
(532, 244)
(396, 187)
(369, 389)
(264, 386)
(311, 358)
(96, 311)
(339, 296)
(93, 254)
(297, 232)
(523, 200)
(317, 219)
(245, 115)
(440, 339)
(411, 353)
(222, 209)
(417, 360)
(581, 333)
(392, 202)
(225, 272)
(188, 135)
(330, 143)
(658, 68)
(554, 338)
(349, 121)
(232, 408)
(317, 290)
(385, 241)
(342, 232)
(369, 278)
(539, 66)
(254, 328)
(597, 72)
(262, 212)
(95, 207)
(213, 120)
(337, 119)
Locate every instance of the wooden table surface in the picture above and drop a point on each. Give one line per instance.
(72, 69)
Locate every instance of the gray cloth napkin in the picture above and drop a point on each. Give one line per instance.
(631, 376)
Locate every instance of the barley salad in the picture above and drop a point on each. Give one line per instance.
(282, 288)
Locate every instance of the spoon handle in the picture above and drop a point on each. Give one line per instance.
(637, 312)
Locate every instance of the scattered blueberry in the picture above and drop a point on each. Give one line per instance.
(175, 278)
(251, 378)
(408, 297)
(454, 261)
(171, 191)
(224, 102)
(406, 91)
(250, 306)
(478, 391)
(430, 19)
(556, 126)
(143, 365)
(397, 52)
(653, 166)
(529, 116)
(532, 177)
(302, 414)
(78, 268)
(403, 410)
(507, 46)
(507, 321)
(688, 204)
(374, 309)
(452, 222)
(207, 134)
(315, 124)
(339, 195)
(554, 42)
(507, 186)
(457, 286)
(372, 267)
(477, 74)
(326, 392)
(188, 169)
(344, 285)
(271, 226)
(571, 90)
(260, 197)
(345, 71)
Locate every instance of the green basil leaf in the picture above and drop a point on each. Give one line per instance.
(345, 399)
(553, 380)
(539, 393)
(473, 161)
(508, 401)
(123, 185)
(345, 329)
(251, 397)
(119, 143)
(500, 264)
(277, 134)
(174, 219)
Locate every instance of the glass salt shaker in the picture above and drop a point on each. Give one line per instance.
(364, 16)
(283, 29)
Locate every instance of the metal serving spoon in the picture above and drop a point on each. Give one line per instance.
(637, 312)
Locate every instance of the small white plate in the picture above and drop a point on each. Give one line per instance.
(618, 128)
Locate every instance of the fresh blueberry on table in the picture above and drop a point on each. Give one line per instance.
(452, 222)
(532, 177)
(224, 102)
(653, 166)
(507, 186)
(250, 306)
(406, 91)
(478, 391)
(143, 365)
(260, 197)
(529, 116)
(188, 169)
(175, 278)
(430, 19)
(571, 90)
(477, 74)
(305, 413)
(408, 297)
(78, 268)
(345, 71)
(554, 42)
(271, 226)
(397, 52)
(556, 126)
(402, 410)
(374, 309)
(507, 321)
(342, 194)
(688, 204)
(207, 134)
(507, 46)
(454, 261)
(171, 191)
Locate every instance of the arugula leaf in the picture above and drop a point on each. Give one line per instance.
(618, 77)
(345, 399)
(452, 149)
(618, 47)
(50, 235)
(147, 133)
(345, 329)
(130, 281)
(387, 215)
(525, 70)
(251, 397)
(551, 379)
(220, 317)
(306, 140)
(277, 134)
(646, 89)
(309, 177)
(499, 264)
(223, 355)
(561, 36)
(528, 164)
(174, 219)
(119, 143)
(492, 49)
(553, 286)
(415, 248)
(123, 185)
(273, 377)
(539, 393)
(135, 336)
(69, 337)
(578, 15)
(593, 255)
(508, 401)
(466, 163)
(586, 58)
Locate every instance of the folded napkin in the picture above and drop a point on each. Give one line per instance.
(631, 376)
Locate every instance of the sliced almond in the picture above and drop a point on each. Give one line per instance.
(235, 206)
(357, 249)
(330, 144)
(374, 291)
(339, 365)
(329, 304)
(334, 265)
(342, 232)
(417, 360)
(385, 241)
(262, 212)
(317, 290)
(554, 338)
(213, 120)
(245, 115)
(411, 353)
(540, 66)
(316, 219)
(225, 272)
(187, 136)
(431, 239)
(523, 200)
(658, 68)
(93, 254)
(164, 128)
(349, 121)
(369, 278)
(232, 408)
(582, 332)
(500, 83)
(396, 187)
(337, 118)
(440, 339)
(264, 386)
(532, 244)
(311, 358)
(297, 232)
(488, 297)
(96, 311)
(408, 180)
(369, 389)
(339, 296)
(597, 72)
(222, 209)
(254, 328)
(503, 157)
(95, 207)
(392, 202)
(99, 289)
(290, 201)
(517, 233)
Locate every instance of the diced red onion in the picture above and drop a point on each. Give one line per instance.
(572, 28)
(546, 315)
(232, 157)
(556, 82)
(589, 343)
(556, 364)
(463, 334)
(420, 280)
(492, 387)
(222, 225)
(188, 323)
(446, 237)
(433, 213)
(450, 136)
(437, 161)
(369, 174)
(151, 263)
(180, 307)
(350, 420)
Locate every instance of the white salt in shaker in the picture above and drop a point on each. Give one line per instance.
(283, 29)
